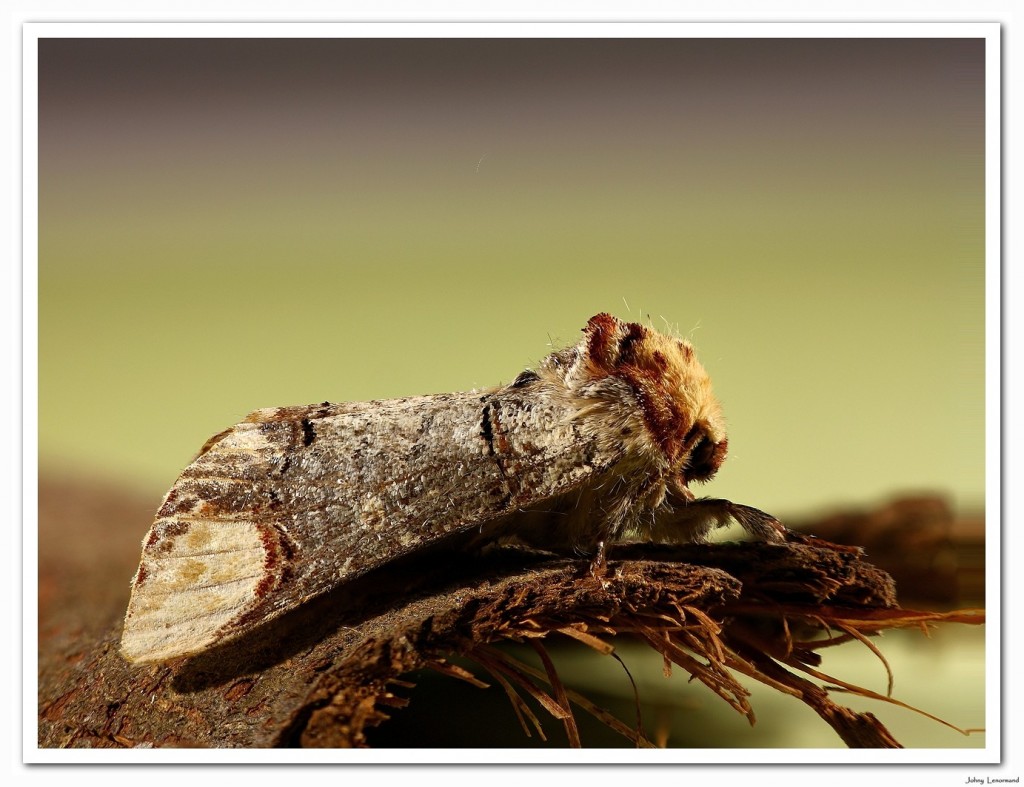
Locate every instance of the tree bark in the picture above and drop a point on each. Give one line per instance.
(323, 674)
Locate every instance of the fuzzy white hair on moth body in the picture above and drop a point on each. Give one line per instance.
(601, 442)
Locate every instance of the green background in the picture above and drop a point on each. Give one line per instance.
(233, 224)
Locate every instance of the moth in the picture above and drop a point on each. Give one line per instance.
(599, 444)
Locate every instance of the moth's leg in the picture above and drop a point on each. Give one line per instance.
(759, 524)
(767, 528)
(599, 565)
(691, 521)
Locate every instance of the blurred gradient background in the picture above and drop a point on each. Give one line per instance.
(233, 224)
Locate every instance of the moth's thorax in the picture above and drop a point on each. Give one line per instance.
(648, 391)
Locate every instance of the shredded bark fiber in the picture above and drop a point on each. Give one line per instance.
(324, 674)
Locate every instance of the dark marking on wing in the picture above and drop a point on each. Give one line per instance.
(308, 432)
(486, 430)
(524, 379)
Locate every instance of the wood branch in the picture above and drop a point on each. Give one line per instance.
(324, 674)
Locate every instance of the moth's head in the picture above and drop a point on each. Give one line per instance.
(666, 385)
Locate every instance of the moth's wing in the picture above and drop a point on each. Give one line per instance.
(212, 552)
(294, 501)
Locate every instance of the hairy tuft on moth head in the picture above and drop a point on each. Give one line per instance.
(650, 390)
